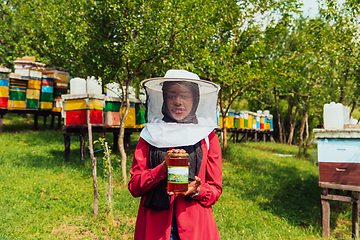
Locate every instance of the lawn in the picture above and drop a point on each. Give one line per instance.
(268, 192)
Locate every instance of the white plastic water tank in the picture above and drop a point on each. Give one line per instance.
(93, 87)
(334, 116)
(346, 115)
(113, 90)
(77, 86)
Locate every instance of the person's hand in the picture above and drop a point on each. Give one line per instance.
(193, 188)
(165, 163)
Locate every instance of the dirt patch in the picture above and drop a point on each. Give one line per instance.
(64, 230)
(73, 231)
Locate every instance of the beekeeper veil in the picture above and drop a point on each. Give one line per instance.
(180, 109)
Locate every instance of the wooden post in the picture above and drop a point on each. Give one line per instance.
(325, 205)
(115, 142)
(246, 136)
(237, 136)
(337, 203)
(45, 122)
(52, 121)
(127, 142)
(93, 162)
(1, 123)
(264, 137)
(59, 121)
(355, 216)
(109, 195)
(35, 122)
(67, 146)
(255, 136)
(82, 146)
(234, 137)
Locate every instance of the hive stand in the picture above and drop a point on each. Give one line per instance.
(325, 206)
(82, 130)
(254, 134)
(36, 113)
(339, 161)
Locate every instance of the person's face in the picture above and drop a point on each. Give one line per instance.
(179, 101)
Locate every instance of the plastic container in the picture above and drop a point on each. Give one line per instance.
(77, 86)
(113, 90)
(346, 115)
(178, 172)
(93, 87)
(334, 116)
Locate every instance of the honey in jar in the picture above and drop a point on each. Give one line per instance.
(178, 172)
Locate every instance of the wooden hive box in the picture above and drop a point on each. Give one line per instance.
(339, 156)
(111, 113)
(4, 87)
(83, 109)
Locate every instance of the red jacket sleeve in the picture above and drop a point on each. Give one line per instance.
(142, 178)
(211, 188)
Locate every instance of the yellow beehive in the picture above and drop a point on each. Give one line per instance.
(34, 84)
(32, 93)
(4, 91)
(16, 105)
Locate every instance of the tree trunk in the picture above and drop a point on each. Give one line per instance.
(353, 105)
(224, 134)
(292, 125)
(93, 162)
(302, 127)
(122, 130)
(307, 133)
(279, 117)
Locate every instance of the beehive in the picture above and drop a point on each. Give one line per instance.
(83, 109)
(47, 93)
(17, 92)
(339, 156)
(4, 87)
(139, 115)
(230, 119)
(112, 116)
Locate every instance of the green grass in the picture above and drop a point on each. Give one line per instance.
(265, 195)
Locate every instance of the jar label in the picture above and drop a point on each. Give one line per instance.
(178, 174)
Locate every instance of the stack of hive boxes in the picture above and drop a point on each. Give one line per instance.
(17, 92)
(4, 87)
(34, 86)
(60, 78)
(113, 104)
(84, 104)
(83, 109)
(47, 90)
(19, 82)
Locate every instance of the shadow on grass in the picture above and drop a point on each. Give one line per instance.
(282, 188)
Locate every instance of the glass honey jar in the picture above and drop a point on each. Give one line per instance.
(178, 172)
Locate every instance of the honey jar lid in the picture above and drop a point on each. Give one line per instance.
(178, 154)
